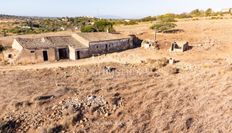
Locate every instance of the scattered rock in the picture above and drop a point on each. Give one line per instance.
(109, 69)
(42, 130)
(117, 100)
(188, 123)
(73, 119)
(22, 104)
(56, 129)
(69, 110)
(40, 100)
(154, 69)
(44, 97)
(9, 126)
(172, 70)
(171, 61)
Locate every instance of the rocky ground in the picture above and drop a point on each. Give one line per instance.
(148, 97)
(139, 92)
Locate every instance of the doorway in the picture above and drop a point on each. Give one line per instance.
(106, 47)
(45, 55)
(78, 55)
(63, 54)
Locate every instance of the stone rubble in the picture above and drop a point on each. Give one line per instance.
(71, 110)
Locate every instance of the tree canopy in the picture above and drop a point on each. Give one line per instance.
(99, 26)
(165, 22)
(163, 26)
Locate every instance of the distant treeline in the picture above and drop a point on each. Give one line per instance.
(195, 13)
(4, 16)
(36, 25)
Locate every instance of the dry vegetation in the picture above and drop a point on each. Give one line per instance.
(139, 93)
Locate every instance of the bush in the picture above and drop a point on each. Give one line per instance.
(103, 26)
(130, 23)
(209, 12)
(99, 26)
(167, 18)
(183, 15)
(215, 17)
(149, 18)
(163, 26)
(3, 32)
(195, 13)
(88, 28)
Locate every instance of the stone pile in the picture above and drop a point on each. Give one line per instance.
(68, 112)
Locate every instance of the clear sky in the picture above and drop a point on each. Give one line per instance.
(119, 8)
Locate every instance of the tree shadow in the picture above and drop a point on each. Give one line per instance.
(173, 31)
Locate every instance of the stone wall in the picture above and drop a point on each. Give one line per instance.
(110, 46)
(72, 53)
(16, 45)
(27, 56)
(84, 53)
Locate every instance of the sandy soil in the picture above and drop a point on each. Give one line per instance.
(133, 94)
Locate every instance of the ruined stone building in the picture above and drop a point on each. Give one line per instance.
(74, 47)
(148, 44)
(179, 47)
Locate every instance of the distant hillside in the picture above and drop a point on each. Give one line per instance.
(109, 17)
(4, 16)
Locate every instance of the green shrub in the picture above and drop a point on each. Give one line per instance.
(88, 28)
(167, 18)
(163, 26)
(130, 23)
(4, 33)
(183, 15)
(216, 17)
(197, 13)
(149, 18)
(99, 26)
(103, 26)
(209, 12)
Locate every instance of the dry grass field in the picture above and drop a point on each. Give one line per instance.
(142, 93)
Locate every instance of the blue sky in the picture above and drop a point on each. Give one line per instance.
(120, 8)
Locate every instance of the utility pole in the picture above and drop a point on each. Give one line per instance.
(155, 35)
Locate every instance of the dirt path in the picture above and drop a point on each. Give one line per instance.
(122, 57)
(62, 64)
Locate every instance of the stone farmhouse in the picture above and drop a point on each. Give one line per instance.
(73, 47)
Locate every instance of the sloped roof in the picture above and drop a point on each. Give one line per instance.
(66, 41)
(32, 42)
(48, 42)
(101, 36)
